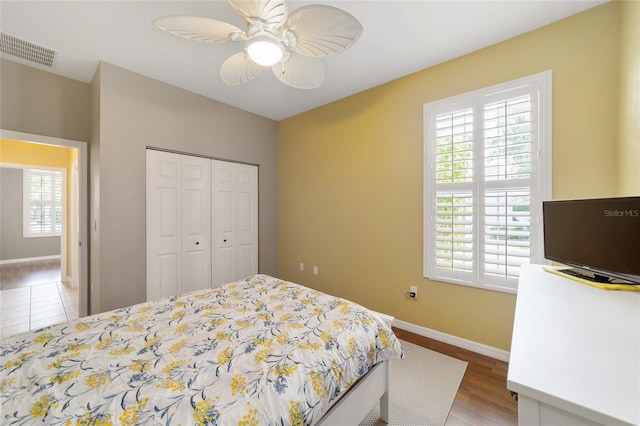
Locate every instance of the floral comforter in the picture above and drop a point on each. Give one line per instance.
(257, 351)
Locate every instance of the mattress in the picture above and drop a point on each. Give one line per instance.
(257, 351)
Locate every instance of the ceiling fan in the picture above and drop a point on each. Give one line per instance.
(289, 43)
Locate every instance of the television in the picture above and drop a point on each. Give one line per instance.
(598, 238)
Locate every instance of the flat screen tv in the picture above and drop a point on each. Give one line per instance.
(599, 238)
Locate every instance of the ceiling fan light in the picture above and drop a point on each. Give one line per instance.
(265, 51)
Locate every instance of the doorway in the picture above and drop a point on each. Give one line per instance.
(73, 264)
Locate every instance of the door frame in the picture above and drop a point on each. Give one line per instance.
(83, 199)
(74, 222)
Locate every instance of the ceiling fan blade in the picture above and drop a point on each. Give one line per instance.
(323, 30)
(300, 72)
(197, 28)
(273, 12)
(238, 69)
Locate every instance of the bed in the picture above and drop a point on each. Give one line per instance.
(257, 351)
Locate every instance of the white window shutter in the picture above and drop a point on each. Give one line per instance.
(483, 185)
(43, 197)
(454, 231)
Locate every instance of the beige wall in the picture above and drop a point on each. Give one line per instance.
(120, 113)
(351, 172)
(629, 155)
(136, 112)
(38, 102)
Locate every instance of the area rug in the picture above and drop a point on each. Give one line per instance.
(422, 388)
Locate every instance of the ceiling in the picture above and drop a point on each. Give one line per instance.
(399, 37)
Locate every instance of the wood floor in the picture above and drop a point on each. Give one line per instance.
(483, 397)
(26, 274)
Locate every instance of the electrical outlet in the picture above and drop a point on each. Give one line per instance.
(315, 270)
(301, 266)
(413, 292)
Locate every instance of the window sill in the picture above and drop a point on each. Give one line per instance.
(499, 289)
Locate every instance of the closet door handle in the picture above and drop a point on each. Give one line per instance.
(197, 242)
(224, 241)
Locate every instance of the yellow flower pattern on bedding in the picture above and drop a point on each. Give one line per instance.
(260, 351)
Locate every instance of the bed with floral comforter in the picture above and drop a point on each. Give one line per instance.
(258, 351)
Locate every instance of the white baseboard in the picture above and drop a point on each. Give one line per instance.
(450, 339)
(29, 259)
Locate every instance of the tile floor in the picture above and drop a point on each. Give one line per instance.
(35, 305)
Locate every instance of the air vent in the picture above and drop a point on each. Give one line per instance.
(26, 50)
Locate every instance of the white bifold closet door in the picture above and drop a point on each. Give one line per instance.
(178, 223)
(235, 229)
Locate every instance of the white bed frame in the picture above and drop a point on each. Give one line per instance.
(361, 398)
(363, 395)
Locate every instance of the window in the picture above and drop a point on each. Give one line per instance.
(487, 169)
(43, 194)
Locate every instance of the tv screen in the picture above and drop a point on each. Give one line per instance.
(600, 237)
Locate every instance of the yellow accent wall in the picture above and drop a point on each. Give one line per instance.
(17, 152)
(629, 153)
(24, 153)
(350, 172)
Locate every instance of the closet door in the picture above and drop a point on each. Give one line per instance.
(178, 224)
(235, 225)
(164, 224)
(247, 221)
(224, 224)
(196, 223)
